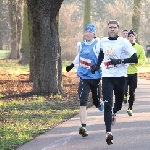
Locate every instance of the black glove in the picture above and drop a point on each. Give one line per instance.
(68, 68)
(94, 68)
(115, 61)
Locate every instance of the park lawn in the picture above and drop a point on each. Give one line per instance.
(12, 67)
(4, 53)
(22, 119)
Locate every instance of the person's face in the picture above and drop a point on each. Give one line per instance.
(125, 34)
(113, 30)
(89, 35)
(131, 38)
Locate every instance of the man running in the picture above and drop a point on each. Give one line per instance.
(132, 72)
(116, 52)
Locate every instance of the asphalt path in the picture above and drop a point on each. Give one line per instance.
(130, 132)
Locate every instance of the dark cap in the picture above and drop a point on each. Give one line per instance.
(131, 32)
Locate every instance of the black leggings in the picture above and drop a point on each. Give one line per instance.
(110, 84)
(131, 81)
(87, 85)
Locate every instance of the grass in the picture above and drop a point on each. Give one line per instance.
(12, 67)
(22, 120)
(4, 53)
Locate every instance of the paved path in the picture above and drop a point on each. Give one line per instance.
(130, 133)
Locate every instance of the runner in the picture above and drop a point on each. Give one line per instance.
(114, 59)
(87, 59)
(132, 72)
(125, 33)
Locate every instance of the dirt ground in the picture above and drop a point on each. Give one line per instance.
(18, 85)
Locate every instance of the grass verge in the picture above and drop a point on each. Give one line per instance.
(12, 67)
(22, 120)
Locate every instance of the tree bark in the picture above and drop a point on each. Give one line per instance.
(1, 18)
(25, 48)
(12, 15)
(15, 10)
(19, 16)
(136, 16)
(87, 13)
(45, 47)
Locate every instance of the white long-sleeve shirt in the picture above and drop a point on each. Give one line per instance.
(116, 49)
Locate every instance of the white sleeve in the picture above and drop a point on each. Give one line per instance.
(76, 60)
(96, 48)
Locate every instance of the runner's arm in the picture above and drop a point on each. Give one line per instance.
(132, 59)
(100, 58)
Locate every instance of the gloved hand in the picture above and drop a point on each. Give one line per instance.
(94, 68)
(115, 61)
(68, 68)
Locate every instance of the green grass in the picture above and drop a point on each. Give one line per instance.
(22, 120)
(12, 67)
(4, 53)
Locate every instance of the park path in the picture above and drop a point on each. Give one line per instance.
(130, 133)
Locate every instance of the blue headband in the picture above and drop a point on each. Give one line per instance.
(90, 27)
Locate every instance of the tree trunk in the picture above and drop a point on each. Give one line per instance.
(87, 13)
(19, 16)
(12, 15)
(45, 46)
(1, 27)
(25, 49)
(15, 15)
(136, 16)
(1, 44)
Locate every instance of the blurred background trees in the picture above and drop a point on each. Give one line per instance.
(131, 14)
(73, 16)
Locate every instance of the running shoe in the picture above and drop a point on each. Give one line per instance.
(83, 131)
(109, 138)
(113, 119)
(125, 100)
(129, 111)
(101, 106)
